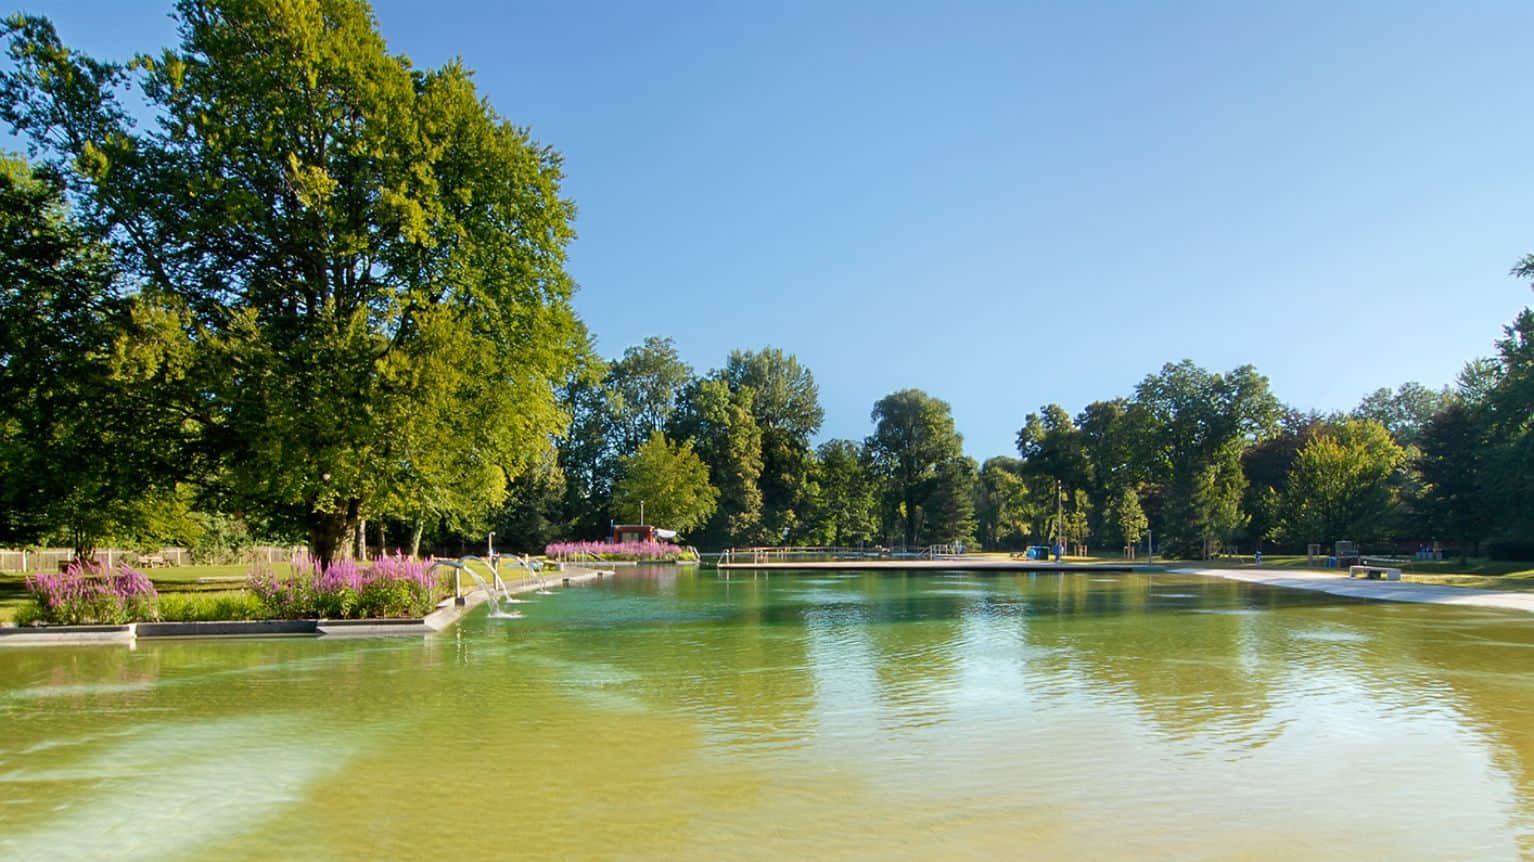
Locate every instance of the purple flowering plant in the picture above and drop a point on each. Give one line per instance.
(392, 587)
(86, 595)
(648, 551)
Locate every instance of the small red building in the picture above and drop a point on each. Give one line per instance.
(640, 533)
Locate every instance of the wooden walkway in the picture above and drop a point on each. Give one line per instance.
(957, 564)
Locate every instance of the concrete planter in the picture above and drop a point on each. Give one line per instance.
(65, 635)
(373, 628)
(448, 612)
(228, 628)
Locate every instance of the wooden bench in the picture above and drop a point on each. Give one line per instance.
(1374, 573)
(152, 561)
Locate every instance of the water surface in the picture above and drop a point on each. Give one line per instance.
(878, 716)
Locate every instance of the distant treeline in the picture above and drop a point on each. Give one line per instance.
(1208, 461)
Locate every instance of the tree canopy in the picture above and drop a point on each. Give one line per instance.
(914, 439)
(362, 253)
(667, 482)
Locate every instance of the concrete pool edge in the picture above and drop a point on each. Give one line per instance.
(1384, 591)
(448, 613)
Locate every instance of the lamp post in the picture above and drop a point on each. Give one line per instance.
(1059, 520)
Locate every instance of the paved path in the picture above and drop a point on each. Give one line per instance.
(1389, 591)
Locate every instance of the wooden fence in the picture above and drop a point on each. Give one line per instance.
(50, 559)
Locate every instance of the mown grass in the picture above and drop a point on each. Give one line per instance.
(178, 584)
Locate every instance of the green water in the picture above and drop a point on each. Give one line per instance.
(879, 716)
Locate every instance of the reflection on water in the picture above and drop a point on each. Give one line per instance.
(872, 716)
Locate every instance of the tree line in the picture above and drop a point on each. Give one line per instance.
(1211, 461)
(303, 290)
(728, 458)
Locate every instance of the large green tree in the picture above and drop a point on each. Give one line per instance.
(1127, 517)
(1006, 514)
(719, 422)
(1452, 463)
(1266, 465)
(785, 405)
(914, 436)
(367, 258)
(1198, 424)
(667, 483)
(644, 386)
(85, 454)
(846, 509)
(1508, 411)
(1339, 486)
(1403, 412)
(949, 510)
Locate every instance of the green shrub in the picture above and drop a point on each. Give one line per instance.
(210, 607)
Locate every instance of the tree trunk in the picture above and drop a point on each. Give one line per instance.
(362, 540)
(415, 538)
(330, 533)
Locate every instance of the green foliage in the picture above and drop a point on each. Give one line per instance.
(1509, 435)
(525, 522)
(1338, 487)
(720, 424)
(1266, 465)
(1127, 517)
(210, 607)
(1453, 470)
(614, 407)
(1197, 425)
(642, 389)
(351, 250)
(670, 480)
(785, 406)
(1007, 512)
(949, 508)
(76, 457)
(845, 508)
(913, 437)
(1403, 412)
(221, 539)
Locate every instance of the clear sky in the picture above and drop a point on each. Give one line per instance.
(1011, 204)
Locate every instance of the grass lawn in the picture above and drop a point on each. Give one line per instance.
(170, 580)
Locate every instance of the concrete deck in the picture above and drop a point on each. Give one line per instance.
(957, 564)
(1386, 591)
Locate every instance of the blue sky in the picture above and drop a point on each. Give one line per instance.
(1012, 204)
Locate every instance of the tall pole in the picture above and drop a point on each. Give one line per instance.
(1059, 520)
(641, 513)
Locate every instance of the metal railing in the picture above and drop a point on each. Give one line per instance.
(831, 553)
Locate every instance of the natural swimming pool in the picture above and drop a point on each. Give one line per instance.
(683, 716)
